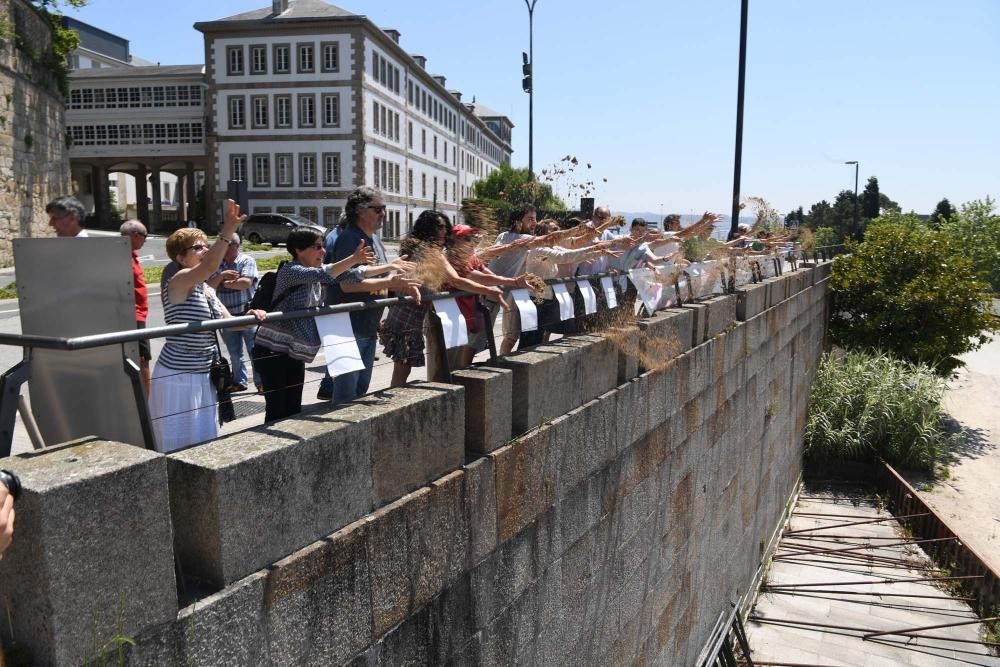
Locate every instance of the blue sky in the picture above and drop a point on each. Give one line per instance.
(645, 90)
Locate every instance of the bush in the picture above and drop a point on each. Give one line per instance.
(825, 237)
(977, 227)
(909, 290)
(868, 406)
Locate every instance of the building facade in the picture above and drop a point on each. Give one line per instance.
(307, 101)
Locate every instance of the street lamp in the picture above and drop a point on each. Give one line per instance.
(528, 59)
(856, 166)
(740, 87)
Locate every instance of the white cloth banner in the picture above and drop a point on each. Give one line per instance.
(589, 297)
(565, 300)
(339, 345)
(526, 308)
(608, 287)
(456, 333)
(651, 290)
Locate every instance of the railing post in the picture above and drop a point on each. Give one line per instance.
(10, 390)
(134, 374)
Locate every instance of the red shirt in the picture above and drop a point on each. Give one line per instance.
(141, 293)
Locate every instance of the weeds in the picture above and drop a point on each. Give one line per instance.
(868, 406)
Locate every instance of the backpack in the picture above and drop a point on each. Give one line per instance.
(263, 298)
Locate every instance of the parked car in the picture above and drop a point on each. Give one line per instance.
(274, 227)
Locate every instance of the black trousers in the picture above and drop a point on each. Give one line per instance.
(282, 378)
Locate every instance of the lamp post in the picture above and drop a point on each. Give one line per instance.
(856, 166)
(528, 86)
(740, 87)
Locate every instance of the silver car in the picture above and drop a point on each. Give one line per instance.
(273, 228)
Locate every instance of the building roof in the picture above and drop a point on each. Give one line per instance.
(133, 72)
(484, 111)
(297, 9)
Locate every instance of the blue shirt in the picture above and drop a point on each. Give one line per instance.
(236, 301)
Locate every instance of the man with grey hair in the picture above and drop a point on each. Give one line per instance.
(66, 216)
(365, 211)
(135, 232)
(235, 283)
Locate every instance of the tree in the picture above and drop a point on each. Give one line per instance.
(870, 202)
(887, 205)
(846, 216)
(942, 212)
(977, 227)
(820, 215)
(911, 291)
(795, 218)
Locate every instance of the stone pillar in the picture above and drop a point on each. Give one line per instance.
(141, 196)
(102, 205)
(156, 189)
(190, 193)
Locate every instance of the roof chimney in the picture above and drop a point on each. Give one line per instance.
(422, 61)
(393, 34)
(457, 94)
(439, 79)
(278, 7)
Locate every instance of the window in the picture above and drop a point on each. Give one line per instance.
(307, 169)
(262, 170)
(331, 168)
(331, 57)
(331, 110)
(383, 114)
(331, 216)
(234, 60)
(281, 59)
(310, 213)
(259, 105)
(258, 59)
(423, 185)
(435, 147)
(395, 126)
(409, 181)
(237, 167)
(375, 172)
(386, 174)
(395, 177)
(283, 111)
(306, 63)
(445, 183)
(423, 141)
(307, 110)
(435, 187)
(261, 209)
(375, 107)
(283, 167)
(237, 112)
(409, 134)
(285, 209)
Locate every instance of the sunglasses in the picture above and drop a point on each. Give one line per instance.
(317, 246)
(377, 209)
(196, 247)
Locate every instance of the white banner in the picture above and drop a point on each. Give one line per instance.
(339, 344)
(650, 288)
(589, 297)
(453, 326)
(565, 300)
(526, 308)
(608, 287)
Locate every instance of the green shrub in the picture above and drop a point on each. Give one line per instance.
(825, 236)
(697, 249)
(977, 227)
(868, 406)
(911, 291)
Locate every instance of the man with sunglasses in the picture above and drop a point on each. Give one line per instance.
(364, 213)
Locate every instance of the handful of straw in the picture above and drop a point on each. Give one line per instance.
(536, 285)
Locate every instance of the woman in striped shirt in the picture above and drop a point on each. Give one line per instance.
(182, 401)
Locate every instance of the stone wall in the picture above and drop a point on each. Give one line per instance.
(34, 163)
(630, 509)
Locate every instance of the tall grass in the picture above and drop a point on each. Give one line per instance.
(867, 406)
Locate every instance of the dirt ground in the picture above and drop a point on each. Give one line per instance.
(969, 499)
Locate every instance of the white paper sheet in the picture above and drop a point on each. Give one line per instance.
(608, 287)
(526, 307)
(565, 300)
(340, 347)
(589, 297)
(453, 326)
(649, 288)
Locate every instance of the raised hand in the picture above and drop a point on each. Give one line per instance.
(400, 264)
(363, 254)
(232, 218)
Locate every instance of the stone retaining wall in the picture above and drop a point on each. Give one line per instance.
(630, 509)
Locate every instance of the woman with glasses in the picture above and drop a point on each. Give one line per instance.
(182, 400)
(282, 349)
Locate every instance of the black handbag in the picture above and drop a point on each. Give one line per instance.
(221, 376)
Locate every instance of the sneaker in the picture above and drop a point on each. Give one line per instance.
(324, 395)
(238, 388)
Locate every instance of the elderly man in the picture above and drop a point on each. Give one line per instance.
(511, 265)
(235, 282)
(66, 216)
(364, 213)
(135, 232)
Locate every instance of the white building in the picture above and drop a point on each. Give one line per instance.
(307, 101)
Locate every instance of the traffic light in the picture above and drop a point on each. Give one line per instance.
(526, 70)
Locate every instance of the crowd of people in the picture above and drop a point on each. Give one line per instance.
(209, 280)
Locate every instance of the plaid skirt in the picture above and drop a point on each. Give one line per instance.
(402, 334)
